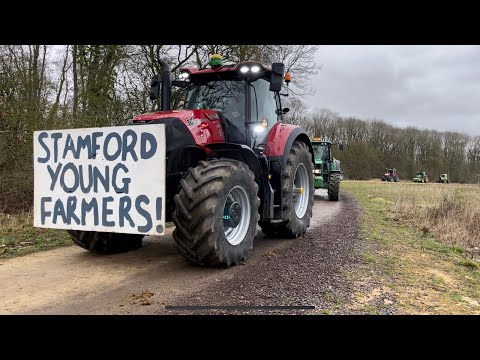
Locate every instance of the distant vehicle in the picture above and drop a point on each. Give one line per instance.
(421, 177)
(443, 179)
(326, 172)
(391, 175)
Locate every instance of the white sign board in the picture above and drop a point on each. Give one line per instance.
(109, 179)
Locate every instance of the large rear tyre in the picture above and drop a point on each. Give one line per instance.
(106, 243)
(216, 213)
(334, 187)
(297, 195)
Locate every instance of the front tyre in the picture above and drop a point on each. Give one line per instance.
(297, 194)
(216, 213)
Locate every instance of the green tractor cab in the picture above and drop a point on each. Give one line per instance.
(443, 179)
(326, 169)
(421, 177)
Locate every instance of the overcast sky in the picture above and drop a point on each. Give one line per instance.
(434, 86)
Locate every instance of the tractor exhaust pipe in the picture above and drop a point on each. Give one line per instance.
(166, 85)
(166, 81)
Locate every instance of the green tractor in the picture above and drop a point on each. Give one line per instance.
(421, 177)
(443, 179)
(326, 170)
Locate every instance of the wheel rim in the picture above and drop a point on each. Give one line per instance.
(236, 234)
(301, 190)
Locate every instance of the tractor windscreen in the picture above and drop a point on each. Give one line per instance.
(227, 96)
(319, 151)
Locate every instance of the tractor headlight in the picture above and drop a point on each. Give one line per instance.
(259, 129)
(244, 69)
(255, 69)
(316, 171)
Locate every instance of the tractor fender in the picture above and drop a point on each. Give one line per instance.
(281, 138)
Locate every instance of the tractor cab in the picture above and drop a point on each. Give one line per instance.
(245, 97)
(322, 150)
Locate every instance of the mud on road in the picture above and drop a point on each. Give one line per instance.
(305, 271)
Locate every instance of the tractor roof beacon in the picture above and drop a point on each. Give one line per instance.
(231, 163)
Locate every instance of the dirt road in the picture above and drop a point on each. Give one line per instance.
(71, 280)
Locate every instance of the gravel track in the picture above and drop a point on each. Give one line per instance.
(309, 271)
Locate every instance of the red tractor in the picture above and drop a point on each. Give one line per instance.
(231, 163)
(391, 175)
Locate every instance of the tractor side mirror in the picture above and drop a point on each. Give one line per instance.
(285, 110)
(276, 76)
(155, 87)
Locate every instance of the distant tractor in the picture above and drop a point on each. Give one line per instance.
(421, 177)
(443, 179)
(391, 175)
(327, 168)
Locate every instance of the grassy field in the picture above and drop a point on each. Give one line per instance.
(19, 237)
(421, 247)
(450, 212)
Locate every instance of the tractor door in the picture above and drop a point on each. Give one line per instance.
(327, 157)
(264, 109)
(330, 153)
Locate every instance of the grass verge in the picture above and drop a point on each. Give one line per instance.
(19, 237)
(407, 269)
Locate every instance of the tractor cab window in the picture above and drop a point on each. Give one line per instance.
(318, 151)
(225, 96)
(263, 108)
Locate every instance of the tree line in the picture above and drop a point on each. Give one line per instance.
(46, 87)
(371, 146)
